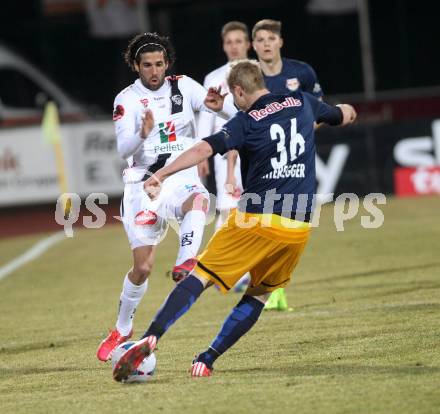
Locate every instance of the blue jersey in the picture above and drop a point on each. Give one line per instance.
(275, 140)
(294, 75)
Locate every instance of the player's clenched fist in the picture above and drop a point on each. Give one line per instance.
(147, 123)
(152, 186)
(348, 113)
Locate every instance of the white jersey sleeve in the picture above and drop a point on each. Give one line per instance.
(229, 110)
(198, 96)
(206, 121)
(124, 117)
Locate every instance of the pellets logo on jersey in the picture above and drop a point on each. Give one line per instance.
(167, 131)
(292, 84)
(118, 113)
(144, 102)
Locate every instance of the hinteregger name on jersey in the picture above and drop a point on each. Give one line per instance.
(274, 107)
(168, 148)
(294, 171)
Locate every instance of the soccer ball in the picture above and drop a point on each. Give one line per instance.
(144, 371)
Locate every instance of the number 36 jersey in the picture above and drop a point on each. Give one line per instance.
(173, 106)
(275, 140)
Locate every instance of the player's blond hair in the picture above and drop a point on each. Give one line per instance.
(235, 25)
(267, 24)
(247, 74)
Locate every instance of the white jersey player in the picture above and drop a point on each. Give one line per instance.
(235, 45)
(173, 106)
(229, 187)
(154, 123)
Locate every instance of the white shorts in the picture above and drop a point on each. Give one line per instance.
(146, 221)
(224, 200)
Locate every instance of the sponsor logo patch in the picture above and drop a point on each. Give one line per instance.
(274, 107)
(167, 132)
(118, 112)
(292, 84)
(145, 218)
(144, 102)
(187, 239)
(316, 88)
(174, 77)
(177, 99)
(416, 181)
(166, 148)
(191, 187)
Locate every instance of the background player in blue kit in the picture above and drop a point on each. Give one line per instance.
(266, 235)
(281, 75)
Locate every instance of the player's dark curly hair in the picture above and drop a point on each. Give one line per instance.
(148, 42)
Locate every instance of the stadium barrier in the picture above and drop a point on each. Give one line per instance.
(397, 157)
(28, 170)
(401, 158)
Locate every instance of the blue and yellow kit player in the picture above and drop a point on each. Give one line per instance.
(281, 75)
(265, 236)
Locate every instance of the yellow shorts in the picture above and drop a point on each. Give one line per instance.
(267, 250)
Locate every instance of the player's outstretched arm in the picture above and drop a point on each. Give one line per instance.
(193, 156)
(342, 114)
(203, 169)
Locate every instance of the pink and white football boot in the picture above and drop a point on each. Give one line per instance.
(107, 346)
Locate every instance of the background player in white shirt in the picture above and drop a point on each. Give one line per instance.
(236, 44)
(148, 145)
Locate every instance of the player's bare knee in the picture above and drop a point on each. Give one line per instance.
(200, 203)
(141, 272)
(196, 202)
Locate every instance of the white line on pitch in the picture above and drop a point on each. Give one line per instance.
(35, 251)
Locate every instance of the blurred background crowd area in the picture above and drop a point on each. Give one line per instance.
(79, 43)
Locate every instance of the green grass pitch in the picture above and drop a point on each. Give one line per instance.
(363, 336)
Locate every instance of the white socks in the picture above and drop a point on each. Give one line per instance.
(190, 235)
(130, 297)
